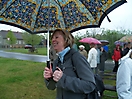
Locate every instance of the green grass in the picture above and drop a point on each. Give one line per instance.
(23, 80)
(41, 51)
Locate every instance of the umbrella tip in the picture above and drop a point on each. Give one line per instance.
(106, 15)
(108, 19)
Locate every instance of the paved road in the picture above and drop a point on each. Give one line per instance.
(37, 58)
(109, 65)
(41, 58)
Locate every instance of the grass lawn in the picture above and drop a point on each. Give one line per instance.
(23, 80)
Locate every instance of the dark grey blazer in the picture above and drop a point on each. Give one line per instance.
(77, 80)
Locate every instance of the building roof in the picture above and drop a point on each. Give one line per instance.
(18, 35)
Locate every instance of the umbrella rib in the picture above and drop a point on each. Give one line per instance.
(57, 2)
(60, 9)
(37, 15)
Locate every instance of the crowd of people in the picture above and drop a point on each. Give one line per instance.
(96, 57)
(72, 71)
(118, 53)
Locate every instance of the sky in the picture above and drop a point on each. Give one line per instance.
(121, 18)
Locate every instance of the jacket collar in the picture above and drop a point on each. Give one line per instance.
(62, 54)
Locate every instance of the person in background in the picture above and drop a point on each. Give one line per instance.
(83, 51)
(106, 48)
(92, 56)
(71, 74)
(52, 54)
(116, 57)
(124, 77)
(98, 58)
(127, 47)
(75, 47)
(103, 58)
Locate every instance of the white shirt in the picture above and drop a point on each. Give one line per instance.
(92, 57)
(124, 79)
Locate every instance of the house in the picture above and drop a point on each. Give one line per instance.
(3, 39)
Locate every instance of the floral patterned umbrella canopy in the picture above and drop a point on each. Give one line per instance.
(127, 38)
(39, 16)
(44, 16)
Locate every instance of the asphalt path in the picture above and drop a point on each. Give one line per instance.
(109, 65)
(36, 58)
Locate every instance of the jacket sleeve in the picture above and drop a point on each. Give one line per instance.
(90, 56)
(105, 56)
(84, 82)
(50, 84)
(113, 55)
(123, 83)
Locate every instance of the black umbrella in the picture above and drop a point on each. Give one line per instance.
(40, 16)
(104, 42)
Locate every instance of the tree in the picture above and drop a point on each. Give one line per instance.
(32, 39)
(11, 39)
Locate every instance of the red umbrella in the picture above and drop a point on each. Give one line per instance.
(90, 40)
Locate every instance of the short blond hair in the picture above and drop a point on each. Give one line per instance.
(68, 37)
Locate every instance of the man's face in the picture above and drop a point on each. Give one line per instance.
(129, 46)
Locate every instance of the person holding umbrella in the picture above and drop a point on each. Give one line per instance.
(103, 58)
(92, 56)
(127, 47)
(116, 57)
(71, 74)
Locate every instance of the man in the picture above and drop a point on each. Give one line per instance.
(83, 51)
(127, 47)
(92, 56)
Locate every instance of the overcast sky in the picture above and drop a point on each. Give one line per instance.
(121, 17)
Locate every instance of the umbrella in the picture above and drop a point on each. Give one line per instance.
(104, 42)
(90, 40)
(41, 16)
(35, 16)
(118, 43)
(127, 38)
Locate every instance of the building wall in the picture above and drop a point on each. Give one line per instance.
(3, 40)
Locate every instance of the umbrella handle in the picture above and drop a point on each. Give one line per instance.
(48, 64)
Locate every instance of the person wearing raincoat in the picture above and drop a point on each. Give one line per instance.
(117, 53)
(71, 74)
(124, 77)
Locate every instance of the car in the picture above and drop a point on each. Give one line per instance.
(28, 46)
